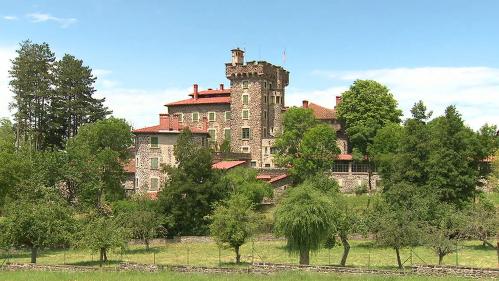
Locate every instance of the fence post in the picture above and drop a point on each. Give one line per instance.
(457, 255)
(219, 256)
(154, 257)
(188, 255)
(411, 256)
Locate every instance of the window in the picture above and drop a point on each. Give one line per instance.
(180, 117)
(154, 142)
(266, 150)
(271, 99)
(245, 149)
(265, 99)
(154, 184)
(339, 167)
(271, 131)
(270, 86)
(245, 84)
(265, 84)
(264, 132)
(277, 99)
(245, 114)
(211, 116)
(154, 163)
(227, 115)
(213, 134)
(265, 114)
(227, 133)
(136, 182)
(360, 167)
(195, 116)
(137, 162)
(267, 165)
(253, 163)
(273, 150)
(245, 99)
(246, 134)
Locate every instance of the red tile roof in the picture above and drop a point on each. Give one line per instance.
(322, 113)
(208, 100)
(210, 92)
(264, 177)
(344, 157)
(167, 124)
(278, 178)
(225, 165)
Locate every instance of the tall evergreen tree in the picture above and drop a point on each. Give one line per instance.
(32, 77)
(73, 103)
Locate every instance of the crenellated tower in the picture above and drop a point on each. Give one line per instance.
(257, 103)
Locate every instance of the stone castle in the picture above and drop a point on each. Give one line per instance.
(248, 116)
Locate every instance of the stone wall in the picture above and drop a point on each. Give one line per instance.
(268, 268)
(350, 181)
(219, 124)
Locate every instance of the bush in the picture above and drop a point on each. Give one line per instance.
(361, 189)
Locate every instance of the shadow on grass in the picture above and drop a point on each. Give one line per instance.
(480, 247)
(96, 263)
(142, 251)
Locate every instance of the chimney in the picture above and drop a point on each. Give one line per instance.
(205, 123)
(195, 86)
(174, 124)
(305, 103)
(338, 101)
(237, 56)
(221, 87)
(164, 122)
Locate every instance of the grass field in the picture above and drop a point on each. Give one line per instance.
(362, 253)
(169, 276)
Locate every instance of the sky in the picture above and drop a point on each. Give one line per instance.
(148, 53)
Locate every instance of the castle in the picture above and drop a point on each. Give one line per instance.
(248, 116)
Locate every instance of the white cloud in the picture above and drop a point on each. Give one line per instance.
(9, 17)
(6, 54)
(326, 97)
(474, 90)
(138, 106)
(41, 17)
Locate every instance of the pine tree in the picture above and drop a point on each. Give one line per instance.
(73, 103)
(31, 84)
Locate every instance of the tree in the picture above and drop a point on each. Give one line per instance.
(243, 181)
(234, 222)
(36, 224)
(31, 82)
(13, 166)
(366, 108)
(304, 217)
(191, 189)
(305, 146)
(443, 230)
(395, 228)
(140, 217)
(102, 233)
(454, 160)
(93, 170)
(73, 103)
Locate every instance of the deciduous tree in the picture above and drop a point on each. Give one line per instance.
(234, 222)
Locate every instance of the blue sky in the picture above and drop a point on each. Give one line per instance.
(146, 53)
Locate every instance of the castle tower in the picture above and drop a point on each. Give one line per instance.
(257, 102)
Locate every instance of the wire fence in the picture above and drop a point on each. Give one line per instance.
(362, 254)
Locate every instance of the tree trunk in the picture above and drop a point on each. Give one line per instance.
(440, 258)
(103, 256)
(238, 255)
(346, 249)
(304, 256)
(147, 244)
(34, 253)
(369, 184)
(399, 262)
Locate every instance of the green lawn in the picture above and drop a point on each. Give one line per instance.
(362, 253)
(169, 276)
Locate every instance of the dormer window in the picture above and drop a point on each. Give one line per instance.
(245, 84)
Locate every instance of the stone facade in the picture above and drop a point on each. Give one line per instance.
(257, 101)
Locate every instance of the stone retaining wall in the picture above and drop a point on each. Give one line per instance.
(269, 268)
